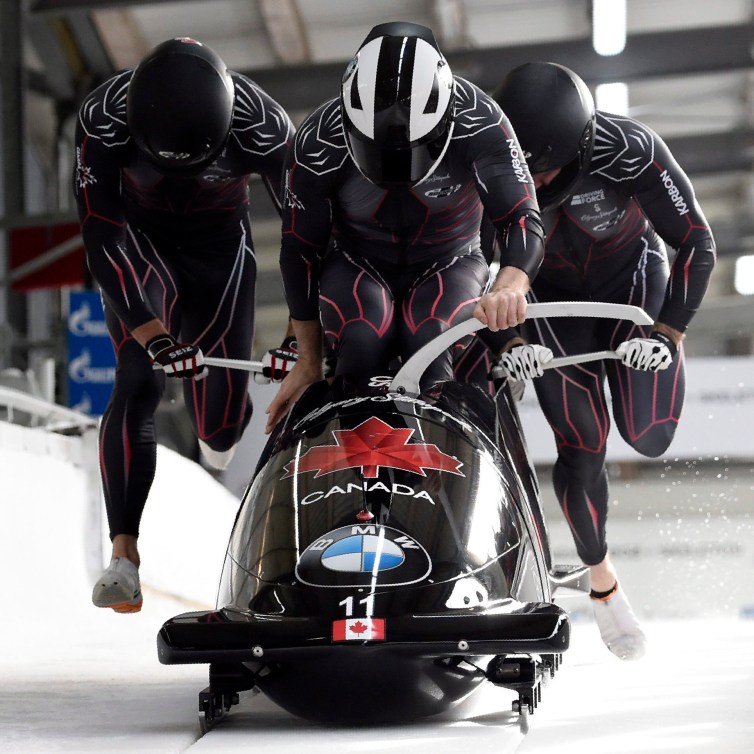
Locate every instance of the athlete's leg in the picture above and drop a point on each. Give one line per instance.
(217, 302)
(127, 438)
(646, 405)
(472, 364)
(573, 402)
(357, 310)
(473, 360)
(434, 301)
(646, 408)
(127, 443)
(127, 435)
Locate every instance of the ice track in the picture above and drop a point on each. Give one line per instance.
(78, 679)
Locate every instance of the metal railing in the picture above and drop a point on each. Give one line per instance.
(44, 414)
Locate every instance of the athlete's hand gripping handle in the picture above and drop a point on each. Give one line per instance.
(524, 362)
(183, 360)
(648, 354)
(278, 362)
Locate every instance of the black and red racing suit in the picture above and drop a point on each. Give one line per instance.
(404, 264)
(177, 249)
(605, 243)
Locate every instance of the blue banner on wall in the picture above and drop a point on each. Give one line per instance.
(91, 358)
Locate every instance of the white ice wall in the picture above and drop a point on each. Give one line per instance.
(47, 523)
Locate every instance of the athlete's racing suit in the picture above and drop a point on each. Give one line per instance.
(605, 243)
(177, 249)
(404, 264)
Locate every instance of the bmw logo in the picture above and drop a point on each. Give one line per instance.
(363, 555)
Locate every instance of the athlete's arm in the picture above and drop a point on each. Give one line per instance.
(502, 178)
(307, 222)
(667, 198)
(263, 131)
(307, 370)
(509, 198)
(504, 305)
(96, 186)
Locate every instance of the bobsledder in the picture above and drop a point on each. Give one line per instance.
(389, 556)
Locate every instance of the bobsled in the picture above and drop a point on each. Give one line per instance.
(389, 557)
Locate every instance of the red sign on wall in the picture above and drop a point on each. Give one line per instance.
(29, 247)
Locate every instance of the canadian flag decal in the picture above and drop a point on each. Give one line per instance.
(358, 629)
(371, 445)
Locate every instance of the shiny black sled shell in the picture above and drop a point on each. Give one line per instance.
(350, 617)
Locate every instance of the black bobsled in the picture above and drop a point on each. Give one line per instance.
(389, 557)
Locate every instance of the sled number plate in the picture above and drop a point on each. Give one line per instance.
(347, 603)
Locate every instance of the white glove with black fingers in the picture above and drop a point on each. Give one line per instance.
(525, 362)
(650, 354)
(277, 362)
(183, 360)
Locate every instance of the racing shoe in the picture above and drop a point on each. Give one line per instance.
(118, 587)
(217, 459)
(619, 627)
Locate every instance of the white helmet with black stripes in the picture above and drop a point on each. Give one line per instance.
(397, 102)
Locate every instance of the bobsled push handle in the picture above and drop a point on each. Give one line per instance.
(579, 358)
(407, 379)
(243, 365)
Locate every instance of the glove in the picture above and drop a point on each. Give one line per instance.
(525, 362)
(648, 354)
(177, 359)
(277, 362)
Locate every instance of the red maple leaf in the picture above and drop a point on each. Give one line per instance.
(370, 445)
(357, 628)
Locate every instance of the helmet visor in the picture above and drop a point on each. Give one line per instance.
(392, 166)
(187, 160)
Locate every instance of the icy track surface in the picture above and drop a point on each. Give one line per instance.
(79, 679)
(79, 682)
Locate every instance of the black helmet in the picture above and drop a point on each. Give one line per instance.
(180, 105)
(552, 112)
(397, 102)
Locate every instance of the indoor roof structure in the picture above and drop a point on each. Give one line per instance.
(687, 64)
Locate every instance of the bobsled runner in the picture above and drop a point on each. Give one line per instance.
(389, 557)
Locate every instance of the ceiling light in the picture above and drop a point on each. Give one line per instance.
(612, 98)
(608, 26)
(743, 280)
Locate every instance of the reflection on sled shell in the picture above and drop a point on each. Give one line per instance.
(387, 549)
